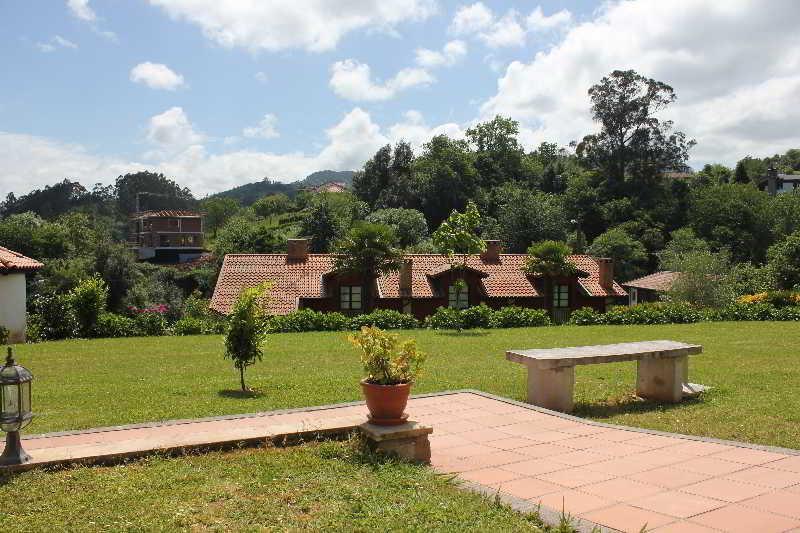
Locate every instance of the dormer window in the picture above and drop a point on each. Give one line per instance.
(350, 297)
(458, 297)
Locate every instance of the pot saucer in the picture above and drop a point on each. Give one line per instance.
(388, 421)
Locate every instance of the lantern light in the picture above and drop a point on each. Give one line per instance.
(15, 408)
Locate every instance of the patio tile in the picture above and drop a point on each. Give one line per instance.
(468, 450)
(543, 450)
(621, 489)
(495, 458)
(573, 502)
(549, 436)
(709, 465)
(748, 456)
(697, 447)
(621, 466)
(767, 477)
(677, 504)
(621, 435)
(574, 477)
(528, 488)
(652, 441)
(456, 426)
(586, 429)
(483, 435)
(510, 443)
(683, 526)
(489, 476)
(533, 467)
(584, 442)
(626, 518)
(738, 519)
(781, 502)
(579, 458)
(668, 477)
(442, 442)
(618, 449)
(792, 464)
(725, 489)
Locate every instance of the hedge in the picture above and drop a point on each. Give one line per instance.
(682, 313)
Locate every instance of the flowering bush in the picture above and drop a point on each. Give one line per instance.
(386, 359)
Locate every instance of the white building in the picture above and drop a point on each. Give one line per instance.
(13, 267)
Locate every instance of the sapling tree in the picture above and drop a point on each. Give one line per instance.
(247, 329)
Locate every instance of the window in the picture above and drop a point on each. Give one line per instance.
(561, 296)
(458, 299)
(350, 297)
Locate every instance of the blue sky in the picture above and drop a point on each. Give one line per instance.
(228, 92)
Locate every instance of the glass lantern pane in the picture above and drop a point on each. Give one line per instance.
(25, 397)
(10, 400)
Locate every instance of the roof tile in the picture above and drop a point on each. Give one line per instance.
(11, 261)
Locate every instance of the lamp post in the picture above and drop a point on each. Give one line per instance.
(15, 409)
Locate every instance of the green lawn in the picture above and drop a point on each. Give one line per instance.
(754, 369)
(323, 487)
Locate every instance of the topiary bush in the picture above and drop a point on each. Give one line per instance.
(445, 318)
(384, 319)
(114, 325)
(478, 316)
(519, 317)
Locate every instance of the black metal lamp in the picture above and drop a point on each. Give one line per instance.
(15, 409)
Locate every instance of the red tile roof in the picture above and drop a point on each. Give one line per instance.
(167, 213)
(11, 261)
(657, 281)
(293, 280)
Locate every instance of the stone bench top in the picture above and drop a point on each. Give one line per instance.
(604, 353)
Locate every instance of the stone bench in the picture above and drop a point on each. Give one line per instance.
(662, 370)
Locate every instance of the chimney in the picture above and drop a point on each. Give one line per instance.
(772, 181)
(405, 277)
(606, 272)
(492, 252)
(297, 250)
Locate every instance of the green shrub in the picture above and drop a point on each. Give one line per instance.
(189, 326)
(787, 313)
(150, 323)
(114, 325)
(88, 300)
(56, 316)
(334, 321)
(3, 335)
(681, 313)
(384, 319)
(519, 317)
(753, 311)
(585, 316)
(445, 318)
(478, 316)
(296, 321)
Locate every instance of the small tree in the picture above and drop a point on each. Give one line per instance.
(458, 234)
(88, 300)
(783, 259)
(246, 330)
(549, 258)
(368, 250)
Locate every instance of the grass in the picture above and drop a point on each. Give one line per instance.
(328, 486)
(753, 367)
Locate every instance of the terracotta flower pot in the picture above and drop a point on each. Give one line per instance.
(386, 403)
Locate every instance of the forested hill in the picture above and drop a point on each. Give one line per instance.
(250, 192)
(325, 176)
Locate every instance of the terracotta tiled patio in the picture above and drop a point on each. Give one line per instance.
(619, 478)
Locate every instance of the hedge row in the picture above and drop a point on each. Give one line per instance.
(481, 316)
(310, 320)
(682, 313)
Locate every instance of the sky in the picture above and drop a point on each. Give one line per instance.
(218, 93)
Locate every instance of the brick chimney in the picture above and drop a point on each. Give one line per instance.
(297, 250)
(405, 277)
(492, 252)
(772, 181)
(606, 274)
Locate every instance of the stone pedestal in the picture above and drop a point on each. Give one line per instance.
(551, 388)
(662, 379)
(409, 440)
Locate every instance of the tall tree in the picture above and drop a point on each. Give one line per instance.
(499, 156)
(448, 178)
(218, 210)
(149, 191)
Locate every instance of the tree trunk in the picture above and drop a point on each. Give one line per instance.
(241, 377)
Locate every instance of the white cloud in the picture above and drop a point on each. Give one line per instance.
(352, 80)
(451, 53)
(81, 10)
(506, 31)
(261, 77)
(314, 25)
(171, 132)
(266, 129)
(538, 21)
(414, 130)
(56, 42)
(733, 66)
(156, 76)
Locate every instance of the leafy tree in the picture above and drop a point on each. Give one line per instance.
(499, 156)
(740, 174)
(783, 258)
(155, 191)
(714, 174)
(733, 216)
(786, 213)
(218, 210)
(89, 301)
(683, 241)
(246, 330)
(628, 254)
(30, 235)
(525, 216)
(388, 180)
(704, 277)
(458, 234)
(632, 141)
(273, 204)
(448, 179)
(323, 226)
(243, 235)
(368, 250)
(118, 268)
(750, 170)
(549, 258)
(374, 177)
(408, 224)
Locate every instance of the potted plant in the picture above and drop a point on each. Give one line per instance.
(391, 366)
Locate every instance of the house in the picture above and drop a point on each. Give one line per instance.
(424, 283)
(775, 183)
(330, 186)
(13, 268)
(166, 236)
(650, 288)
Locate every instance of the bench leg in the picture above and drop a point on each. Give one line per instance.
(662, 379)
(551, 388)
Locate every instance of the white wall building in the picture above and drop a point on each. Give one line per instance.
(13, 267)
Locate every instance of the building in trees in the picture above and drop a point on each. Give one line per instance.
(166, 236)
(425, 282)
(13, 268)
(651, 287)
(775, 183)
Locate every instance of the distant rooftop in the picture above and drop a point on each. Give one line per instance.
(11, 261)
(166, 213)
